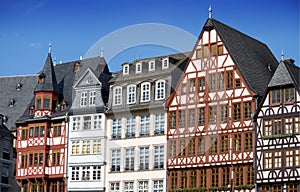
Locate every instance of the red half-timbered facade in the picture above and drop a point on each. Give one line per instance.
(41, 137)
(210, 128)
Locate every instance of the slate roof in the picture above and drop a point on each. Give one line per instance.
(286, 74)
(253, 58)
(21, 97)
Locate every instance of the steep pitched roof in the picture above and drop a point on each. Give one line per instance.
(286, 73)
(253, 58)
(48, 73)
(20, 89)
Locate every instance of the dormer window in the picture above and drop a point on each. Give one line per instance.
(126, 69)
(11, 103)
(165, 63)
(138, 68)
(76, 66)
(151, 65)
(18, 87)
(41, 78)
(31, 110)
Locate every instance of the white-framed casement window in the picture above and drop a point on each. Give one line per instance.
(145, 92)
(75, 174)
(159, 124)
(86, 173)
(115, 160)
(151, 65)
(144, 158)
(129, 159)
(97, 122)
(138, 68)
(96, 173)
(117, 95)
(160, 87)
(165, 63)
(130, 127)
(76, 123)
(87, 122)
(131, 92)
(97, 147)
(128, 186)
(158, 186)
(83, 99)
(159, 157)
(116, 128)
(92, 98)
(126, 69)
(115, 187)
(145, 125)
(143, 186)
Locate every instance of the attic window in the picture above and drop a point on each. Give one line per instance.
(138, 68)
(63, 105)
(165, 63)
(18, 87)
(41, 78)
(31, 110)
(76, 66)
(126, 69)
(11, 103)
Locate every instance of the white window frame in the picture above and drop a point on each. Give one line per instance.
(131, 94)
(151, 65)
(143, 186)
(159, 123)
(130, 126)
(159, 157)
(129, 186)
(138, 68)
(96, 173)
(145, 93)
(114, 187)
(87, 122)
(129, 159)
(165, 63)
(145, 125)
(158, 185)
(92, 98)
(116, 159)
(117, 95)
(126, 69)
(116, 128)
(97, 122)
(75, 173)
(160, 89)
(83, 99)
(144, 158)
(76, 123)
(97, 147)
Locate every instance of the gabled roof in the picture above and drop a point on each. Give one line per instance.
(48, 73)
(253, 58)
(286, 74)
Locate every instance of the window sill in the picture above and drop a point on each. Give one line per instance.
(278, 136)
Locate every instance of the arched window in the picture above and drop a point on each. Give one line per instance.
(117, 95)
(131, 94)
(160, 89)
(145, 92)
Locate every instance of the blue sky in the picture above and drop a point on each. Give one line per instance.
(73, 27)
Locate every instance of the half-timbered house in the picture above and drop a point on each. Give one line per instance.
(278, 132)
(210, 129)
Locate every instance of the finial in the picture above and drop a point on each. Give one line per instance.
(282, 55)
(101, 53)
(49, 48)
(209, 11)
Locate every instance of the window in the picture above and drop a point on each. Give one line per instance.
(57, 130)
(85, 173)
(201, 146)
(126, 69)
(201, 116)
(224, 113)
(165, 63)
(192, 85)
(172, 149)
(213, 114)
(183, 88)
(192, 147)
(24, 160)
(292, 187)
(276, 127)
(212, 82)
(92, 98)
(117, 96)
(173, 178)
(183, 180)
(277, 188)
(116, 128)
(46, 103)
(97, 147)
(225, 176)
(145, 125)
(277, 159)
(275, 97)
(129, 159)
(76, 123)
(24, 133)
(75, 147)
(159, 124)
(138, 68)
(289, 95)
(38, 103)
(238, 175)
(97, 121)
(182, 149)
(114, 187)
(96, 173)
(193, 179)
(214, 177)
(55, 158)
(201, 84)
(237, 142)
(151, 65)
(248, 141)
(130, 127)
(87, 122)
(267, 160)
(158, 186)
(86, 149)
(213, 145)
(220, 81)
(224, 144)
(236, 111)
(75, 174)
(160, 89)
(83, 99)
(115, 160)
(247, 110)
(181, 121)
(229, 79)
(128, 186)
(268, 128)
(31, 131)
(250, 174)
(172, 119)
(131, 94)
(289, 158)
(202, 177)
(144, 158)
(145, 92)
(143, 186)
(159, 157)
(191, 117)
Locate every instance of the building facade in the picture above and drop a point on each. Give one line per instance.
(210, 129)
(87, 131)
(136, 139)
(278, 132)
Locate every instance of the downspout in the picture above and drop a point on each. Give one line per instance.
(254, 119)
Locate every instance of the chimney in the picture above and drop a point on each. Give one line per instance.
(290, 60)
(80, 58)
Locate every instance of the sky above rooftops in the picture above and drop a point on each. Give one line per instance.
(77, 28)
